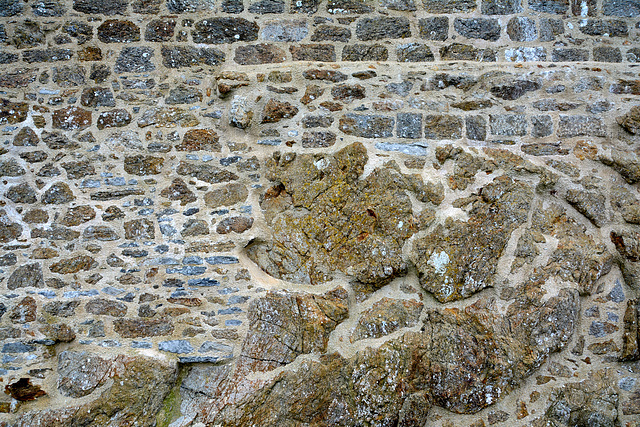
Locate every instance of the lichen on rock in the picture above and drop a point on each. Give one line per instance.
(324, 217)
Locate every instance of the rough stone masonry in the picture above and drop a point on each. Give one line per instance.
(320, 213)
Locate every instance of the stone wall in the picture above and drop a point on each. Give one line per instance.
(341, 212)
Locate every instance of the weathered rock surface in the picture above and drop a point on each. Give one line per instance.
(136, 395)
(387, 316)
(459, 258)
(454, 344)
(335, 221)
(307, 213)
(284, 325)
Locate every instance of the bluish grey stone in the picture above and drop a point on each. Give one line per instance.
(105, 7)
(230, 310)
(179, 294)
(508, 124)
(198, 359)
(110, 290)
(222, 259)
(167, 229)
(592, 312)
(416, 149)
(501, 7)
(550, 28)
(569, 55)
(8, 58)
(119, 181)
(189, 56)
(134, 60)
(76, 294)
(626, 8)
(267, 6)
(109, 343)
(192, 260)
(367, 126)
(607, 54)
(237, 299)
(47, 294)
(48, 8)
(627, 383)
(272, 142)
(597, 329)
(525, 54)
(522, 29)
(232, 6)
(476, 127)
(633, 55)
(17, 347)
(581, 126)
(400, 89)
(90, 183)
(617, 293)
(284, 30)
(542, 126)
(207, 281)
(414, 52)
(10, 7)
(449, 6)
(228, 290)
(162, 261)
(47, 55)
(599, 107)
(141, 344)
(182, 6)
(599, 27)
(398, 4)
(478, 28)
(232, 322)
(549, 6)
(409, 125)
(435, 28)
(208, 346)
(383, 27)
(175, 346)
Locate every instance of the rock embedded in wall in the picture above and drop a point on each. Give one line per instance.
(327, 213)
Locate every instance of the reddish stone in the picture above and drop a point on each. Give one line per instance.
(71, 118)
(90, 53)
(238, 224)
(114, 118)
(13, 112)
(74, 265)
(24, 311)
(200, 139)
(23, 390)
(275, 111)
(115, 31)
(136, 328)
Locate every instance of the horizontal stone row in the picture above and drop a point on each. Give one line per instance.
(220, 30)
(51, 8)
(143, 59)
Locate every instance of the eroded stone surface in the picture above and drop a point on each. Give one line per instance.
(333, 221)
(452, 270)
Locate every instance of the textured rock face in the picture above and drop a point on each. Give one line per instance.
(324, 218)
(319, 213)
(136, 395)
(459, 258)
(462, 360)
